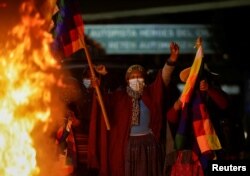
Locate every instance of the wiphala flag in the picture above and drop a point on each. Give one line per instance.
(68, 28)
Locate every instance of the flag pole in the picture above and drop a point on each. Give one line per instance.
(97, 89)
(81, 43)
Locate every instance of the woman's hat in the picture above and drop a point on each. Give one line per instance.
(135, 68)
(185, 73)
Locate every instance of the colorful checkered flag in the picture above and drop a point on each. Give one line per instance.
(68, 28)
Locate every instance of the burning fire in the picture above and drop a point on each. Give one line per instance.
(29, 78)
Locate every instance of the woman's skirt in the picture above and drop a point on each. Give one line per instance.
(143, 156)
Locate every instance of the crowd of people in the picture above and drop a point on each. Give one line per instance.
(139, 114)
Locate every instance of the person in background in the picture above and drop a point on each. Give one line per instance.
(81, 132)
(66, 142)
(72, 136)
(131, 147)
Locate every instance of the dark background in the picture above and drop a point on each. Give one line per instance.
(231, 36)
(229, 21)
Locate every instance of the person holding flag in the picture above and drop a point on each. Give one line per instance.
(69, 38)
(195, 136)
(132, 146)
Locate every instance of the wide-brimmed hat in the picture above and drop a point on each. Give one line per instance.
(185, 73)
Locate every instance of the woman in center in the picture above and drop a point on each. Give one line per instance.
(131, 147)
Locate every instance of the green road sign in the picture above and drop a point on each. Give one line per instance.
(149, 39)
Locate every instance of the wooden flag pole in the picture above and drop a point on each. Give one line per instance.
(97, 89)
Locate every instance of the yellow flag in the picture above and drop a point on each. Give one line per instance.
(194, 71)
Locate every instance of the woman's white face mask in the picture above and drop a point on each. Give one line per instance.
(136, 84)
(86, 83)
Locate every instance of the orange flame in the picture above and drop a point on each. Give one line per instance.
(29, 78)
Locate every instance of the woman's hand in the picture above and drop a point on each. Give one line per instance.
(174, 51)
